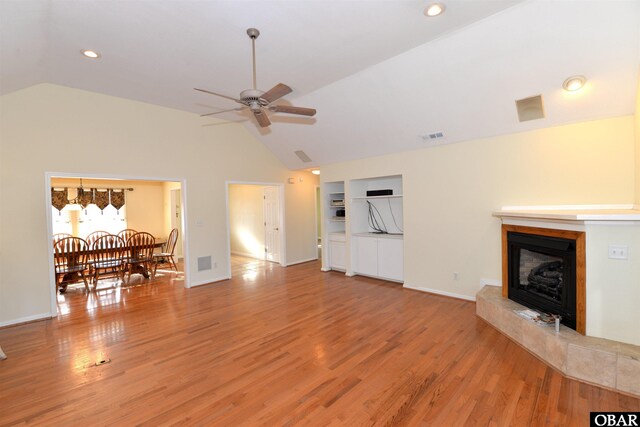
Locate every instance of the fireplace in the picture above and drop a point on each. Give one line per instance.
(542, 274)
(543, 269)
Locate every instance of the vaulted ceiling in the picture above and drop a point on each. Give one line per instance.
(380, 73)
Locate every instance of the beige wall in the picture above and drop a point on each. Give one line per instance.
(48, 128)
(246, 220)
(144, 205)
(450, 192)
(637, 129)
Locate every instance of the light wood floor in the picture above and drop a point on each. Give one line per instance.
(280, 346)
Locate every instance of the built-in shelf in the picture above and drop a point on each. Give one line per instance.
(393, 196)
(334, 256)
(379, 235)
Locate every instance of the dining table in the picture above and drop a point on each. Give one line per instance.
(71, 259)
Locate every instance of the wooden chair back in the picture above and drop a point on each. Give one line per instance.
(171, 242)
(107, 249)
(141, 247)
(70, 254)
(91, 238)
(60, 236)
(126, 234)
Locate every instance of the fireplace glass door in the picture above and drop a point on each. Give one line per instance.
(542, 274)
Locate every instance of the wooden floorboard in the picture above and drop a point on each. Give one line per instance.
(279, 346)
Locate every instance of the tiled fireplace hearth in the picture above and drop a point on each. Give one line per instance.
(558, 261)
(599, 361)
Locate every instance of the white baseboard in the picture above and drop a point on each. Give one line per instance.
(209, 281)
(300, 262)
(41, 316)
(325, 269)
(490, 282)
(439, 292)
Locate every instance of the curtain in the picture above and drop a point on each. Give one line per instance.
(59, 198)
(85, 197)
(101, 198)
(117, 199)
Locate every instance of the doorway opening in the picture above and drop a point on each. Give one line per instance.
(256, 233)
(97, 229)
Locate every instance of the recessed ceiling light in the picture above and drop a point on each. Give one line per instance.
(574, 83)
(316, 171)
(434, 9)
(90, 54)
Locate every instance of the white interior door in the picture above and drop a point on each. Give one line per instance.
(272, 224)
(176, 218)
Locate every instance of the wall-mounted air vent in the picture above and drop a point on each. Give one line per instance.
(432, 136)
(303, 156)
(530, 108)
(204, 263)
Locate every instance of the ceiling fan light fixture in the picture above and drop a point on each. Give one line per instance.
(434, 9)
(91, 54)
(574, 83)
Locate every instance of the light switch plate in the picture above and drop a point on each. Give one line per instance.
(618, 252)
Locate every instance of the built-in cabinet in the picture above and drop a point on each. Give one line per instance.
(370, 239)
(378, 256)
(334, 211)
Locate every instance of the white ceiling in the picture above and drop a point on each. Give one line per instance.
(379, 73)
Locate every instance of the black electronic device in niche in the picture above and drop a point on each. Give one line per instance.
(542, 274)
(374, 193)
(340, 212)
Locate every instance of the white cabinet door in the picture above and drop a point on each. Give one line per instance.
(391, 259)
(366, 256)
(337, 255)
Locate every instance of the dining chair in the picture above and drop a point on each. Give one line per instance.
(140, 248)
(60, 236)
(95, 236)
(126, 234)
(70, 258)
(108, 257)
(167, 252)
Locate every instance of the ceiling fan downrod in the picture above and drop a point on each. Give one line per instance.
(253, 34)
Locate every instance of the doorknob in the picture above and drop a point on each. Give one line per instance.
(276, 229)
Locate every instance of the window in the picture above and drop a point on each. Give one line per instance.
(82, 222)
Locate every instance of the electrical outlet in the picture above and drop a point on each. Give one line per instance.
(618, 252)
(215, 265)
(456, 276)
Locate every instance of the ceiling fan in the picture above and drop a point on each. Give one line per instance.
(258, 101)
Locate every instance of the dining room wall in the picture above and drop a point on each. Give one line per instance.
(53, 129)
(144, 205)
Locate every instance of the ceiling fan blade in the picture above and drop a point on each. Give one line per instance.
(216, 94)
(276, 92)
(222, 111)
(262, 119)
(293, 110)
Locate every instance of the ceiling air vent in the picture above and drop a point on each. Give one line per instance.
(432, 136)
(303, 156)
(530, 108)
